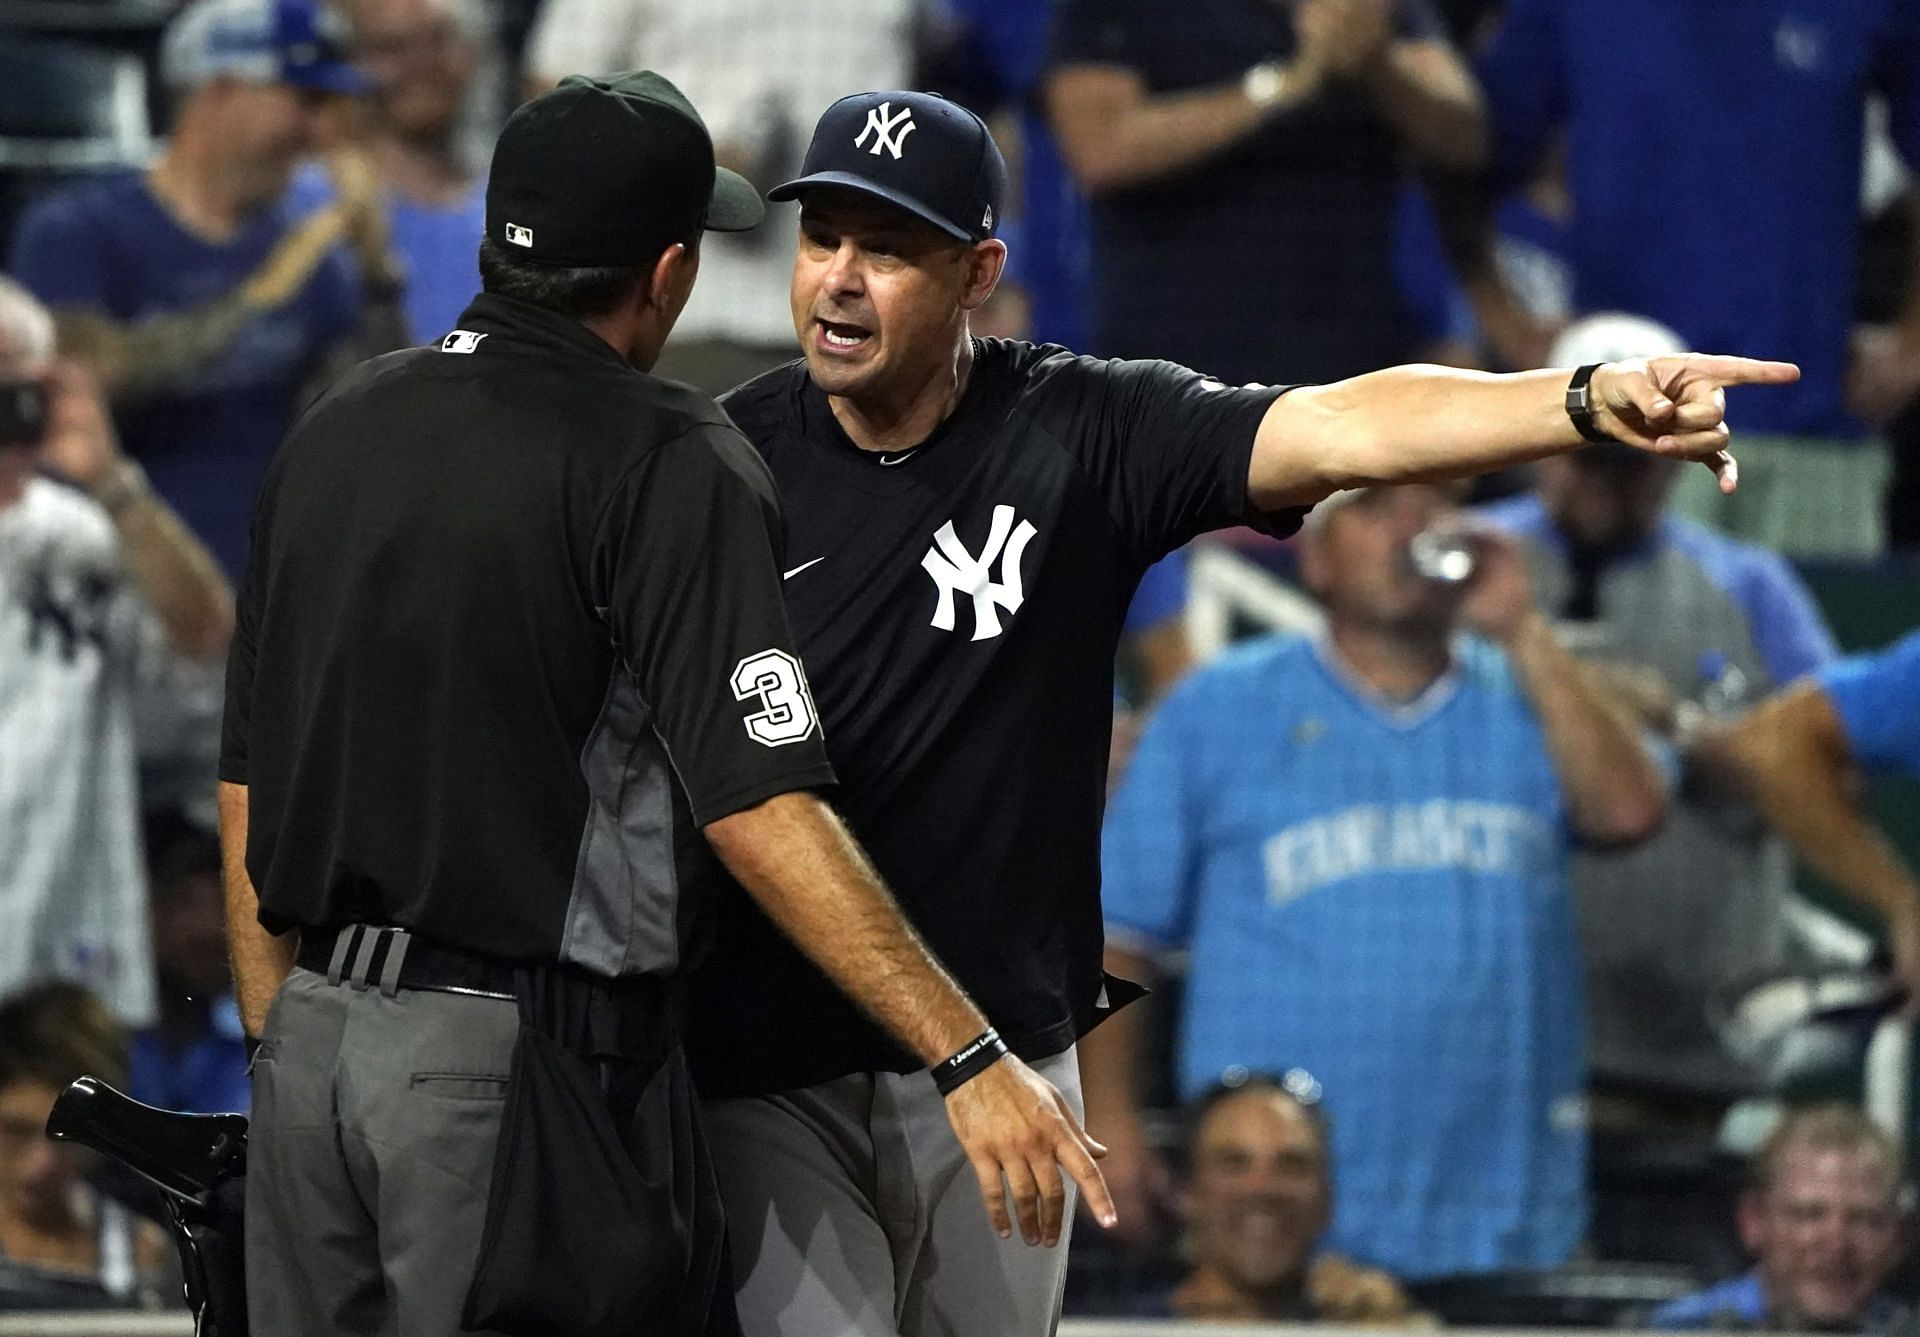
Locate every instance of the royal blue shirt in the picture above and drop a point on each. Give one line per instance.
(1877, 698)
(111, 247)
(440, 246)
(1009, 38)
(208, 1075)
(1714, 153)
(1377, 894)
(1742, 1303)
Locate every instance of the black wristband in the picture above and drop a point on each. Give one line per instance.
(972, 1059)
(1580, 405)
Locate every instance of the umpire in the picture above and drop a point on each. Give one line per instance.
(511, 641)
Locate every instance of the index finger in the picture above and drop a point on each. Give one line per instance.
(1743, 370)
(1079, 1165)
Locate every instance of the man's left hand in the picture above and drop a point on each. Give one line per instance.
(1677, 406)
(1499, 598)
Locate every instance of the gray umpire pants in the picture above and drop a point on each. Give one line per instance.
(369, 1157)
(852, 1210)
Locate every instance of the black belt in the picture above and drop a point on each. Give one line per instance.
(363, 955)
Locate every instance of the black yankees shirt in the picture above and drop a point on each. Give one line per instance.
(511, 632)
(958, 608)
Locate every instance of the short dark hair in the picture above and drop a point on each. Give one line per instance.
(579, 293)
(53, 1033)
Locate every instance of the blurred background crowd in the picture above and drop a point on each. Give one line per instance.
(1529, 924)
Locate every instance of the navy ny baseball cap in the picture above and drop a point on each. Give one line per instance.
(610, 172)
(929, 156)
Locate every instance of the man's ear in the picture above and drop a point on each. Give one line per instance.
(1751, 1218)
(986, 261)
(672, 276)
(1312, 555)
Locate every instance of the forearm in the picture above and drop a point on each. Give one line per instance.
(1423, 92)
(1110, 1055)
(175, 573)
(1114, 142)
(1789, 759)
(1613, 788)
(1403, 425)
(803, 867)
(261, 961)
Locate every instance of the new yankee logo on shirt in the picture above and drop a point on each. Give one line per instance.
(1369, 839)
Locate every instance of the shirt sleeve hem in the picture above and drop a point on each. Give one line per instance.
(233, 770)
(711, 809)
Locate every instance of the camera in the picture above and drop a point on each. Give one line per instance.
(23, 412)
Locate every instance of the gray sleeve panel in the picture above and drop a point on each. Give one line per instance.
(623, 915)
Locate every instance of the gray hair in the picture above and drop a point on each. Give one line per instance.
(26, 329)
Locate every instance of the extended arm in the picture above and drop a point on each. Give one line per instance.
(261, 962)
(1790, 757)
(1423, 423)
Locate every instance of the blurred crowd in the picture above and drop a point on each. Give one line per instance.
(1481, 960)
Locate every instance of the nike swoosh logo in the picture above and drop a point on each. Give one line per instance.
(802, 567)
(901, 458)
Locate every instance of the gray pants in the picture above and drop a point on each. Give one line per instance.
(369, 1158)
(853, 1211)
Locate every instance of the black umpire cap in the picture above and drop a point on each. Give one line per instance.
(610, 172)
(929, 156)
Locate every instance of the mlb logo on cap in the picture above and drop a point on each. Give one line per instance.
(951, 174)
(519, 236)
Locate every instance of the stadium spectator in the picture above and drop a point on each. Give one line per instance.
(1766, 260)
(991, 56)
(194, 1057)
(105, 599)
(1676, 613)
(1799, 756)
(1360, 841)
(1244, 164)
(49, 1216)
(1823, 1221)
(760, 71)
(422, 57)
(189, 288)
(1258, 1198)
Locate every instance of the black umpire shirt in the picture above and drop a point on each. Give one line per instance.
(511, 631)
(958, 606)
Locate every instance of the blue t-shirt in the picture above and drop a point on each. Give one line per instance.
(441, 248)
(1051, 262)
(1378, 895)
(1160, 595)
(1742, 1303)
(1877, 698)
(207, 1076)
(111, 247)
(1714, 154)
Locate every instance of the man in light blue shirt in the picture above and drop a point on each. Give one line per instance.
(1360, 841)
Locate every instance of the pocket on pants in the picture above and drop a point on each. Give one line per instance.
(587, 1234)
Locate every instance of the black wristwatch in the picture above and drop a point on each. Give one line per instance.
(1580, 405)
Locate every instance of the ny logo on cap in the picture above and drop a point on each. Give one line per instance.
(519, 236)
(889, 131)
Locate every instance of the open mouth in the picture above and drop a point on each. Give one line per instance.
(840, 337)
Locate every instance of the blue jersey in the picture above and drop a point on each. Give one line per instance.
(111, 247)
(1763, 98)
(1877, 698)
(1377, 894)
(440, 246)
